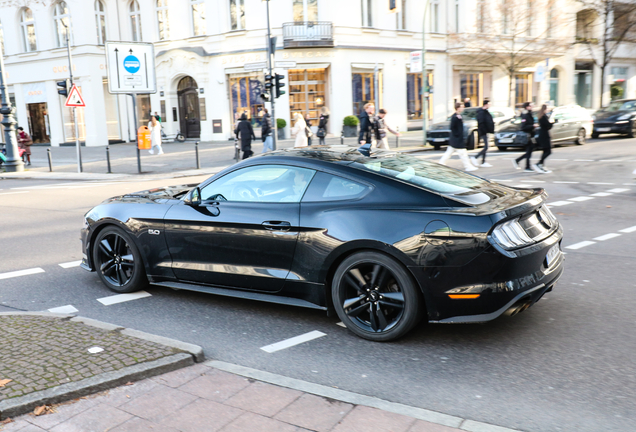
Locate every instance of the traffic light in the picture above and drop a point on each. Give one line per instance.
(268, 82)
(63, 87)
(279, 84)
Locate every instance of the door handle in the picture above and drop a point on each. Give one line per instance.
(276, 225)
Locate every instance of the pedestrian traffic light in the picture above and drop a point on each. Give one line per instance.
(279, 84)
(63, 87)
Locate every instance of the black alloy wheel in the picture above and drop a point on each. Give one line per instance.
(375, 296)
(118, 261)
(580, 137)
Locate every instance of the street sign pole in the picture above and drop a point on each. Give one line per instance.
(135, 127)
(70, 71)
(424, 75)
(272, 98)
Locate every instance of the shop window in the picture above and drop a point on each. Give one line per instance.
(135, 21)
(27, 25)
(198, 17)
(523, 89)
(245, 92)
(363, 85)
(62, 19)
(100, 22)
(554, 86)
(307, 93)
(305, 10)
(237, 14)
(583, 83)
(414, 92)
(163, 25)
(471, 86)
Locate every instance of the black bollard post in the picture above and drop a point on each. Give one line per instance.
(48, 155)
(397, 137)
(196, 150)
(108, 159)
(342, 137)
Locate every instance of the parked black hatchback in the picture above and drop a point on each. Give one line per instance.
(385, 240)
(619, 117)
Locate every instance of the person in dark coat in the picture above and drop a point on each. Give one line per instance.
(527, 126)
(245, 132)
(309, 135)
(267, 131)
(322, 125)
(456, 142)
(367, 126)
(543, 139)
(485, 126)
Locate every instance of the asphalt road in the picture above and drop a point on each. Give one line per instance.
(566, 364)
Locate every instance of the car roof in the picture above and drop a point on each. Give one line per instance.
(328, 153)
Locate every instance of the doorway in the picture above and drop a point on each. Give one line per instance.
(189, 117)
(38, 122)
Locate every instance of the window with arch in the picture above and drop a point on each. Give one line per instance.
(198, 17)
(135, 21)
(237, 14)
(554, 86)
(400, 16)
(100, 21)
(434, 16)
(162, 19)
(62, 19)
(27, 27)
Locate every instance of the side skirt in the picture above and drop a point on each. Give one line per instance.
(269, 298)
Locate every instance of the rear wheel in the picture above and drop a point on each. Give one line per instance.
(502, 148)
(375, 297)
(580, 137)
(118, 261)
(632, 132)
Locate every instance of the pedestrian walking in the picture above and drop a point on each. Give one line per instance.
(245, 132)
(544, 140)
(467, 103)
(267, 131)
(308, 131)
(456, 143)
(24, 143)
(381, 130)
(527, 126)
(155, 136)
(367, 125)
(300, 130)
(322, 125)
(485, 126)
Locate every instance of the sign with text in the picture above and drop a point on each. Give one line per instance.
(131, 67)
(255, 66)
(415, 58)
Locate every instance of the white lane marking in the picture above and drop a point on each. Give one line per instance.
(607, 237)
(583, 160)
(534, 181)
(566, 182)
(68, 309)
(611, 160)
(551, 159)
(341, 324)
(43, 186)
(628, 230)
(70, 264)
(120, 298)
(618, 190)
(522, 186)
(600, 183)
(21, 273)
(601, 194)
(13, 193)
(293, 341)
(581, 198)
(559, 203)
(580, 245)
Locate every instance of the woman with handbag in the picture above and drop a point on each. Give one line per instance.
(24, 142)
(300, 130)
(544, 140)
(322, 125)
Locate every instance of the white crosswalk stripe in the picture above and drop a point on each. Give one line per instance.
(120, 298)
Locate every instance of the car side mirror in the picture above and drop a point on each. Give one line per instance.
(195, 197)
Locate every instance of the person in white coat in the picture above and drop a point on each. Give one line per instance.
(299, 130)
(155, 136)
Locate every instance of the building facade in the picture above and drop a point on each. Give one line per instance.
(344, 54)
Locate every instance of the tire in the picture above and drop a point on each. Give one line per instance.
(471, 144)
(580, 137)
(375, 297)
(437, 147)
(118, 261)
(632, 133)
(595, 135)
(502, 148)
(180, 138)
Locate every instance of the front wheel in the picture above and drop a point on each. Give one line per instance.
(580, 137)
(595, 135)
(118, 261)
(375, 297)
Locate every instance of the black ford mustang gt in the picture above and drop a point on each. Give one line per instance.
(384, 239)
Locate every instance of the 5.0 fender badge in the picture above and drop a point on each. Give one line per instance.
(154, 232)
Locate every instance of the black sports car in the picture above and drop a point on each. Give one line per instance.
(384, 239)
(619, 117)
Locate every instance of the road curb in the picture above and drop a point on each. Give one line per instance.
(358, 399)
(72, 390)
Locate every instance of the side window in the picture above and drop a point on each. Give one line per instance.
(327, 187)
(263, 183)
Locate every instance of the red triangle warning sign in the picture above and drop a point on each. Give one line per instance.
(74, 98)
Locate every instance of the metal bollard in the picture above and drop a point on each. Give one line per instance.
(196, 150)
(397, 137)
(48, 155)
(110, 171)
(342, 137)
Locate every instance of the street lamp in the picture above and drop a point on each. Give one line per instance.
(13, 163)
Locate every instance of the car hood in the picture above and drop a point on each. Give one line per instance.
(156, 195)
(510, 127)
(610, 116)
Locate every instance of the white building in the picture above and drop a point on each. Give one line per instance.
(339, 46)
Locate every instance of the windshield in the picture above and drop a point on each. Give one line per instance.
(620, 106)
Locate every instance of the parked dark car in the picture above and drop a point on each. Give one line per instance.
(383, 240)
(438, 133)
(619, 117)
(573, 124)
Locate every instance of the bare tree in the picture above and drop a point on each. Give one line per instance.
(512, 35)
(603, 26)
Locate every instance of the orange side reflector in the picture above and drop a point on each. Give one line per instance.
(463, 296)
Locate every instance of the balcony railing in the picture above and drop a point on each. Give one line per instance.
(308, 34)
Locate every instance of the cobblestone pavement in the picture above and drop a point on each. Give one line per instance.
(40, 352)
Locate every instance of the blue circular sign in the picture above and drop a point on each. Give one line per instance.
(132, 64)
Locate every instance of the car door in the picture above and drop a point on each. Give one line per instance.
(560, 127)
(243, 233)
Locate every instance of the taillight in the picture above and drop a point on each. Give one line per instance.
(511, 235)
(525, 230)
